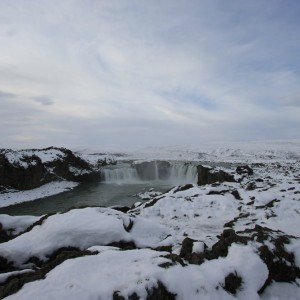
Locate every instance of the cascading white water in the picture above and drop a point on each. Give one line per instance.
(121, 175)
(183, 173)
(176, 173)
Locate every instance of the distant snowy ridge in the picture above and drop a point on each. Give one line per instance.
(250, 152)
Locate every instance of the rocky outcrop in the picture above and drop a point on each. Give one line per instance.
(71, 167)
(244, 170)
(28, 169)
(28, 174)
(271, 247)
(207, 175)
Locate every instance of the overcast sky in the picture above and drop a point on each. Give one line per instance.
(101, 72)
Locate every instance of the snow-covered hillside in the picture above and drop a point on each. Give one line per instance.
(221, 240)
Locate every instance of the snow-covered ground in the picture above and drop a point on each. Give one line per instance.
(228, 240)
(248, 152)
(49, 189)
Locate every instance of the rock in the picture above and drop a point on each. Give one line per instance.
(185, 187)
(232, 283)
(208, 175)
(236, 194)
(19, 177)
(4, 237)
(72, 167)
(5, 266)
(160, 293)
(14, 283)
(243, 170)
(156, 293)
(123, 209)
(187, 247)
(25, 169)
(251, 186)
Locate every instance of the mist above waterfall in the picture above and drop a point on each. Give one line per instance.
(157, 170)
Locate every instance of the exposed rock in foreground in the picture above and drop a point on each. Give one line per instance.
(213, 241)
(29, 169)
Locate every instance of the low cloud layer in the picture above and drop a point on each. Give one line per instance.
(148, 72)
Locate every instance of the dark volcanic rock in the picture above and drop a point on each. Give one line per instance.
(4, 237)
(156, 293)
(28, 171)
(280, 263)
(22, 178)
(72, 167)
(160, 293)
(232, 283)
(242, 170)
(208, 175)
(185, 187)
(187, 247)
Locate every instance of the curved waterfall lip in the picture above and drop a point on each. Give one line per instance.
(174, 172)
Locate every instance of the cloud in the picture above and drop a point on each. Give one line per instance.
(44, 100)
(148, 71)
(4, 95)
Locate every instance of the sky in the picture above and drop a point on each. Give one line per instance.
(134, 72)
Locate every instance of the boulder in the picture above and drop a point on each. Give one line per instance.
(207, 175)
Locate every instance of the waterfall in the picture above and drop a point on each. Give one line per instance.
(183, 173)
(174, 172)
(120, 175)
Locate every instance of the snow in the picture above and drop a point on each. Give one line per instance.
(247, 152)
(294, 247)
(148, 194)
(282, 291)
(5, 276)
(197, 212)
(95, 276)
(198, 247)
(45, 190)
(77, 171)
(17, 224)
(191, 212)
(46, 155)
(204, 281)
(81, 228)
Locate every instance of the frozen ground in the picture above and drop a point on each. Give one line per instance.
(267, 151)
(13, 197)
(229, 240)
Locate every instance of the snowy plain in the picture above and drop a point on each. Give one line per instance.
(136, 252)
